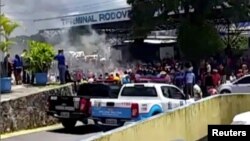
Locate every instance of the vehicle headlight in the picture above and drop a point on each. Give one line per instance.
(239, 123)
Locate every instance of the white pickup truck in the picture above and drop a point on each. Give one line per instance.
(137, 101)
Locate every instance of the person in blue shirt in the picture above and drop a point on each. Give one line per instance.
(178, 78)
(125, 78)
(189, 81)
(61, 66)
(17, 67)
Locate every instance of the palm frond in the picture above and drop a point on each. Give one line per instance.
(6, 28)
(4, 45)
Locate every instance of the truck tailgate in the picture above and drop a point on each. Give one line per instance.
(111, 109)
(64, 103)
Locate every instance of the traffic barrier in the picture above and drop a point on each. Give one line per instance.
(188, 123)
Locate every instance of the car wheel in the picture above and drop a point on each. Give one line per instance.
(225, 92)
(68, 124)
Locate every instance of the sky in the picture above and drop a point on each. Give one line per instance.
(25, 11)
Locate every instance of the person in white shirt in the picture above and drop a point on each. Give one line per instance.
(208, 66)
(91, 80)
(197, 91)
(232, 77)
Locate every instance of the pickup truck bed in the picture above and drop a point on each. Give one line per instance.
(70, 109)
(67, 107)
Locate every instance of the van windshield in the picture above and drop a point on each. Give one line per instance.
(139, 91)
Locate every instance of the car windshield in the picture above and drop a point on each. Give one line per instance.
(242, 80)
(139, 91)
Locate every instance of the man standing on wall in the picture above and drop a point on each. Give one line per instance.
(189, 80)
(61, 66)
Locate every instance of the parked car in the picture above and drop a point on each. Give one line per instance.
(242, 119)
(70, 109)
(241, 85)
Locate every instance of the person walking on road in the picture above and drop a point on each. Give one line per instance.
(61, 66)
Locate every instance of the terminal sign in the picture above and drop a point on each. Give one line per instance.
(96, 18)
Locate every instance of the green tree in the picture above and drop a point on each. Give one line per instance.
(40, 56)
(6, 29)
(7, 26)
(196, 13)
(236, 38)
(198, 41)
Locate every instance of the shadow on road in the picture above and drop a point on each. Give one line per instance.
(84, 129)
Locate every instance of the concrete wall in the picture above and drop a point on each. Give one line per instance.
(188, 123)
(29, 111)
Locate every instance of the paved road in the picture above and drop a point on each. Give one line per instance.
(79, 133)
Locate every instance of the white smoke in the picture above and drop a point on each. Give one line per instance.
(25, 11)
(92, 43)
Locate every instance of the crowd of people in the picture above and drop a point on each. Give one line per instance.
(202, 79)
(193, 78)
(14, 67)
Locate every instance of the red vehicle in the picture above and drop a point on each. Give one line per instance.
(106, 81)
(70, 109)
(151, 79)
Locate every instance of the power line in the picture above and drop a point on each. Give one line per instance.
(81, 11)
(94, 4)
(87, 8)
(97, 5)
(72, 8)
(20, 19)
(67, 16)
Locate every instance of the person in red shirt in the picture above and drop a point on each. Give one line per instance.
(216, 78)
(132, 76)
(111, 77)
